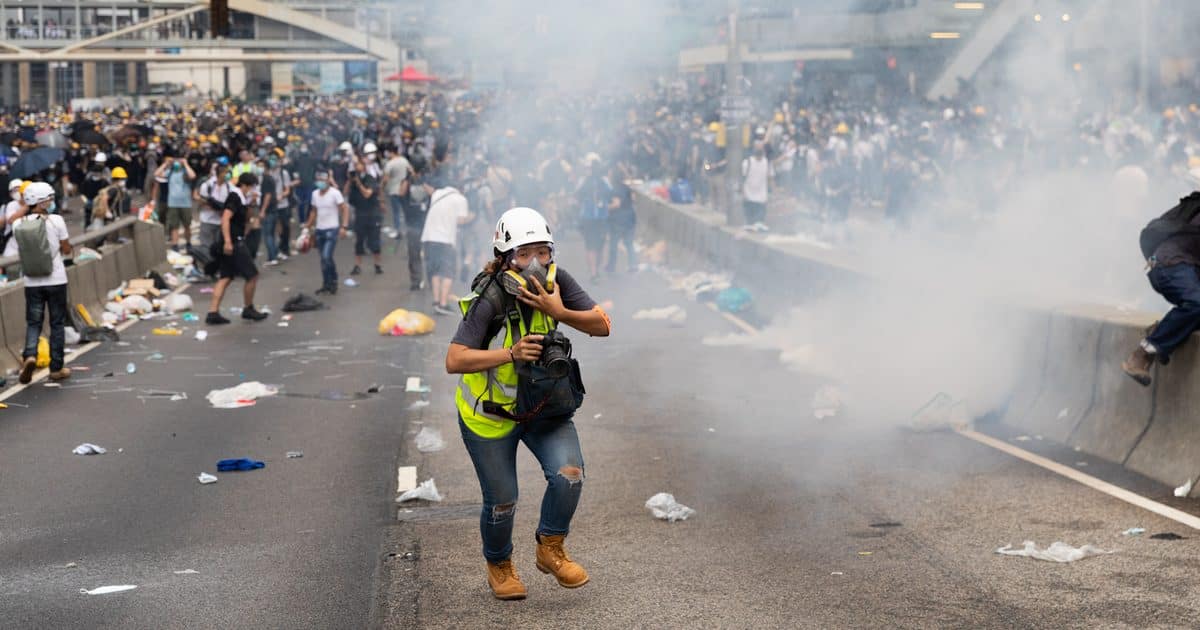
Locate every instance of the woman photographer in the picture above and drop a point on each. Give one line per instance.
(519, 298)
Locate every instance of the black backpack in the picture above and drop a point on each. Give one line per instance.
(1173, 222)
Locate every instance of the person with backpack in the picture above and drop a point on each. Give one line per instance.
(41, 238)
(1171, 245)
(595, 196)
(232, 256)
(113, 200)
(507, 395)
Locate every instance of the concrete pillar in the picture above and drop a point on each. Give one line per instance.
(51, 85)
(24, 83)
(131, 76)
(89, 80)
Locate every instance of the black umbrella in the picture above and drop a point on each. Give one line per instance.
(36, 161)
(52, 138)
(90, 136)
(82, 125)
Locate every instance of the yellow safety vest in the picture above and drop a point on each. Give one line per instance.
(499, 384)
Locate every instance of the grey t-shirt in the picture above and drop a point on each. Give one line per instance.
(474, 331)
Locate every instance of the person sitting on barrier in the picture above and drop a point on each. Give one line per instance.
(231, 254)
(41, 238)
(1172, 243)
(526, 389)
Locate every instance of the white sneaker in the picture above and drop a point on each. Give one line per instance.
(272, 263)
(282, 257)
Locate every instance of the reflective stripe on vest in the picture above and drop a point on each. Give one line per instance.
(497, 385)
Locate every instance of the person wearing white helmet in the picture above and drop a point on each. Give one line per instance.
(519, 384)
(41, 241)
(12, 210)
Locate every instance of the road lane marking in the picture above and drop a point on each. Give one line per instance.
(1111, 490)
(406, 478)
(1116, 492)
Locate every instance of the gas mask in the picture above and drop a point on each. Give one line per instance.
(533, 273)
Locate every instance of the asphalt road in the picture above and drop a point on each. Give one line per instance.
(788, 531)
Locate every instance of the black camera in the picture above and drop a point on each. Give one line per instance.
(556, 354)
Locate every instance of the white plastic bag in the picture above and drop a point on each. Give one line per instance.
(243, 395)
(427, 491)
(206, 478)
(664, 506)
(105, 590)
(429, 440)
(88, 448)
(136, 304)
(71, 336)
(1057, 552)
(177, 303)
(827, 402)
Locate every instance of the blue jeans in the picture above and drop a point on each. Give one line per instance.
(326, 241)
(1180, 285)
(621, 233)
(556, 446)
(304, 202)
(397, 210)
(279, 218)
(36, 301)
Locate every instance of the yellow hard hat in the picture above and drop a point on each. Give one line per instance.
(842, 129)
(714, 127)
(119, 173)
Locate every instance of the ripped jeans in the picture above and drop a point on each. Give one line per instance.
(556, 446)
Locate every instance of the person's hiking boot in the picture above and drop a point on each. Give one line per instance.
(1138, 365)
(27, 368)
(61, 374)
(505, 583)
(378, 270)
(553, 559)
(253, 314)
(215, 318)
(356, 270)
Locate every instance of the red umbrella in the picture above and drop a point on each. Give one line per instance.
(411, 75)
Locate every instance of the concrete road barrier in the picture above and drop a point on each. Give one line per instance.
(1122, 409)
(1068, 381)
(1071, 389)
(1170, 449)
(12, 320)
(127, 262)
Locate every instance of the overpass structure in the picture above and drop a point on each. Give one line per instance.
(57, 50)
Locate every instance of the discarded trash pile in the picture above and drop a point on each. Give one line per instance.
(1057, 552)
(403, 323)
(143, 298)
(664, 506)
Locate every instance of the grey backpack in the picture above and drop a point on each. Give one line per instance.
(33, 245)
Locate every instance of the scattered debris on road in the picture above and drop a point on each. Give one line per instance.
(186, 572)
(429, 440)
(295, 454)
(1057, 552)
(886, 525)
(1134, 531)
(243, 395)
(1185, 489)
(405, 323)
(674, 314)
(105, 590)
(413, 384)
(1168, 536)
(827, 402)
(664, 507)
(88, 448)
(427, 491)
(206, 478)
(239, 464)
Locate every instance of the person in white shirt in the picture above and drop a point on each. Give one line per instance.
(396, 174)
(756, 177)
(11, 212)
(47, 292)
(327, 221)
(448, 209)
(212, 194)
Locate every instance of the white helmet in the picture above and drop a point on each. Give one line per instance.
(346, 147)
(100, 158)
(520, 226)
(14, 184)
(369, 148)
(37, 192)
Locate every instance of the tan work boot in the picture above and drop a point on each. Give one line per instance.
(502, 577)
(61, 375)
(27, 368)
(553, 559)
(1138, 365)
